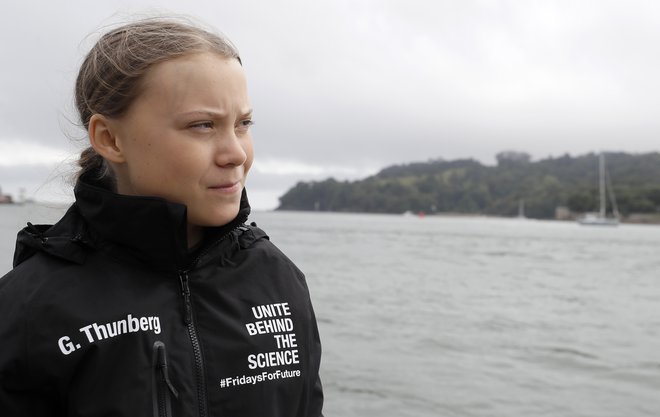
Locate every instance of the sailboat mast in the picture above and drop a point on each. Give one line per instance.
(603, 201)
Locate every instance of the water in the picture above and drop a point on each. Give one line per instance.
(15, 217)
(468, 317)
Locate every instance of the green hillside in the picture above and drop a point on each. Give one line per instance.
(467, 186)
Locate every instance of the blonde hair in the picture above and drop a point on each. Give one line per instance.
(110, 77)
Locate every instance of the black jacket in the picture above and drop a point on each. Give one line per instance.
(107, 314)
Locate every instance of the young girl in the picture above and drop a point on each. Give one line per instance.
(151, 296)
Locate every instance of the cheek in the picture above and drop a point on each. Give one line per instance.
(185, 166)
(163, 164)
(249, 152)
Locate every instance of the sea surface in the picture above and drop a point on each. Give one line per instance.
(465, 316)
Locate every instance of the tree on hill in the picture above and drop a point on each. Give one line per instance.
(467, 186)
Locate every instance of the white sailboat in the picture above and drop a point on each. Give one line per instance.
(600, 218)
(521, 210)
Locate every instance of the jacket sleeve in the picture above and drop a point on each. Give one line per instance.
(18, 396)
(316, 391)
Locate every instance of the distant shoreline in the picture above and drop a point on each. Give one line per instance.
(638, 219)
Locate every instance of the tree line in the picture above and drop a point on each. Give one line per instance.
(470, 187)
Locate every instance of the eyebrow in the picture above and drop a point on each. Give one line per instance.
(214, 114)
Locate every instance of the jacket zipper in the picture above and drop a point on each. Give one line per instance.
(197, 350)
(189, 321)
(162, 387)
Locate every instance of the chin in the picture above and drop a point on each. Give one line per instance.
(220, 218)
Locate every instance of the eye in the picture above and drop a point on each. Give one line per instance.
(202, 125)
(245, 124)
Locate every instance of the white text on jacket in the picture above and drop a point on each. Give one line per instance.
(275, 320)
(95, 332)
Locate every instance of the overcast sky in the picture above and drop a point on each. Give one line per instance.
(345, 88)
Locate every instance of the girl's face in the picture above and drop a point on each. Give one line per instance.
(187, 138)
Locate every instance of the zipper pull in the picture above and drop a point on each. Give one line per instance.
(185, 292)
(161, 362)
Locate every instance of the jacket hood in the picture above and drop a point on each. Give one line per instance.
(63, 240)
(151, 230)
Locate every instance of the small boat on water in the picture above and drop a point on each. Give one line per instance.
(595, 219)
(605, 187)
(521, 210)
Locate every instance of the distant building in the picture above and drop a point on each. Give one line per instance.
(5, 198)
(563, 213)
(643, 218)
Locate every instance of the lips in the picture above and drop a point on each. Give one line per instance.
(228, 187)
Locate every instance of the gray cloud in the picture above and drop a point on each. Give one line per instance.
(363, 84)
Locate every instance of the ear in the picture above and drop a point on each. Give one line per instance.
(103, 138)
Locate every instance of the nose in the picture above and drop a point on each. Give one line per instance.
(230, 150)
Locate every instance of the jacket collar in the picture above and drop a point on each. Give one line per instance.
(151, 230)
(148, 230)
